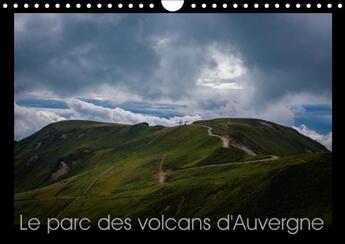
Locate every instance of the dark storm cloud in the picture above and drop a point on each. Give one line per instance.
(269, 66)
(79, 53)
(70, 54)
(292, 52)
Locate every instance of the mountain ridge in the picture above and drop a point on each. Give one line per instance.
(62, 160)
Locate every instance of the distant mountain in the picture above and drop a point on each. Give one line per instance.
(209, 168)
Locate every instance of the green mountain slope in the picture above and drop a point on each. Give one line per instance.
(85, 168)
(263, 136)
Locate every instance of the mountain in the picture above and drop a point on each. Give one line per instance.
(209, 168)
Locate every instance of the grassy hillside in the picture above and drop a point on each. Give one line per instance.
(115, 169)
(264, 137)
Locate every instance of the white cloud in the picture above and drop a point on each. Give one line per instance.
(223, 69)
(284, 110)
(30, 120)
(90, 111)
(324, 139)
(279, 112)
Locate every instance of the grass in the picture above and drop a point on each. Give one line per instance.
(298, 184)
(264, 137)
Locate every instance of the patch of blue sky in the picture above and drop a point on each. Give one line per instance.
(157, 113)
(315, 117)
(156, 109)
(99, 102)
(161, 110)
(42, 103)
(319, 108)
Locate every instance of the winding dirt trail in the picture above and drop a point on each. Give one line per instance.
(227, 141)
(164, 175)
(76, 199)
(271, 158)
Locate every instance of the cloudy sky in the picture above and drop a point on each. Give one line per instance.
(165, 68)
